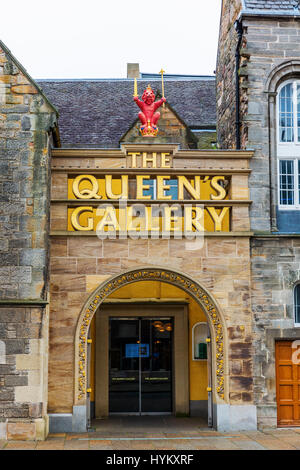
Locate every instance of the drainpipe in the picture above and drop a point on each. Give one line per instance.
(239, 29)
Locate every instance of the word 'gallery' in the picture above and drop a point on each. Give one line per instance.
(149, 264)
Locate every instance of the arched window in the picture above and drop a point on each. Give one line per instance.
(297, 304)
(288, 144)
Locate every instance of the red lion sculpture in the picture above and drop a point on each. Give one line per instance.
(148, 115)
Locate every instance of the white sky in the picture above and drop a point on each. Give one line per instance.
(96, 38)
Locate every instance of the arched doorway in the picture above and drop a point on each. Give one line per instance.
(215, 320)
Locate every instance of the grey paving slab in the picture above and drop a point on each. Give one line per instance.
(249, 445)
(162, 433)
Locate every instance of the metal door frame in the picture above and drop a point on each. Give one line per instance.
(209, 380)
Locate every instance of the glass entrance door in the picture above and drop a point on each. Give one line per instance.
(140, 365)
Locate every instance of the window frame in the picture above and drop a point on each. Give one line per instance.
(289, 150)
(296, 189)
(296, 324)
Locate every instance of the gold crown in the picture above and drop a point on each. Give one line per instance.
(149, 132)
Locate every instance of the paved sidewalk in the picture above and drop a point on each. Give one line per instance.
(162, 434)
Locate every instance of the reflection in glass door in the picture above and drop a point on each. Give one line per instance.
(140, 365)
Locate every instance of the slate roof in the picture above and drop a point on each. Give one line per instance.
(272, 6)
(97, 113)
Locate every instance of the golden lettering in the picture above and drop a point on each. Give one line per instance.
(140, 186)
(124, 190)
(218, 219)
(75, 219)
(161, 188)
(147, 159)
(169, 219)
(220, 190)
(108, 220)
(193, 216)
(86, 193)
(133, 156)
(165, 160)
(183, 182)
(135, 222)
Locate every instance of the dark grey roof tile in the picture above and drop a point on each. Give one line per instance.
(283, 6)
(97, 113)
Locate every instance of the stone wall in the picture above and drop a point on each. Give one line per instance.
(207, 140)
(267, 42)
(225, 75)
(270, 42)
(26, 120)
(23, 375)
(275, 262)
(275, 270)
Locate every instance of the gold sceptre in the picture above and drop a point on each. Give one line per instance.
(135, 90)
(162, 84)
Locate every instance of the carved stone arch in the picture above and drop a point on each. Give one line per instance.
(283, 71)
(210, 307)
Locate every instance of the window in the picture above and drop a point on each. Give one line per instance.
(199, 343)
(152, 188)
(173, 191)
(152, 191)
(288, 144)
(287, 182)
(297, 304)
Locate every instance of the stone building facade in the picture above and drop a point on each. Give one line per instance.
(28, 131)
(269, 58)
(226, 309)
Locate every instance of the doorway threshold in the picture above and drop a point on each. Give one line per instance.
(143, 426)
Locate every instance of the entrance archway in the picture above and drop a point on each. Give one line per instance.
(193, 288)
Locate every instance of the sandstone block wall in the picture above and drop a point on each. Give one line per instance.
(80, 264)
(225, 74)
(267, 42)
(26, 119)
(23, 372)
(270, 42)
(275, 270)
(26, 123)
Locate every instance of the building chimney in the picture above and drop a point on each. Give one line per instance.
(133, 70)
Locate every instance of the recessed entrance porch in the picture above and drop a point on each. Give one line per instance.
(143, 358)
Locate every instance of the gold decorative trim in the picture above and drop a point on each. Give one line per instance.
(151, 274)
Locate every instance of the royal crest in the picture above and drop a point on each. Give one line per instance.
(148, 115)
